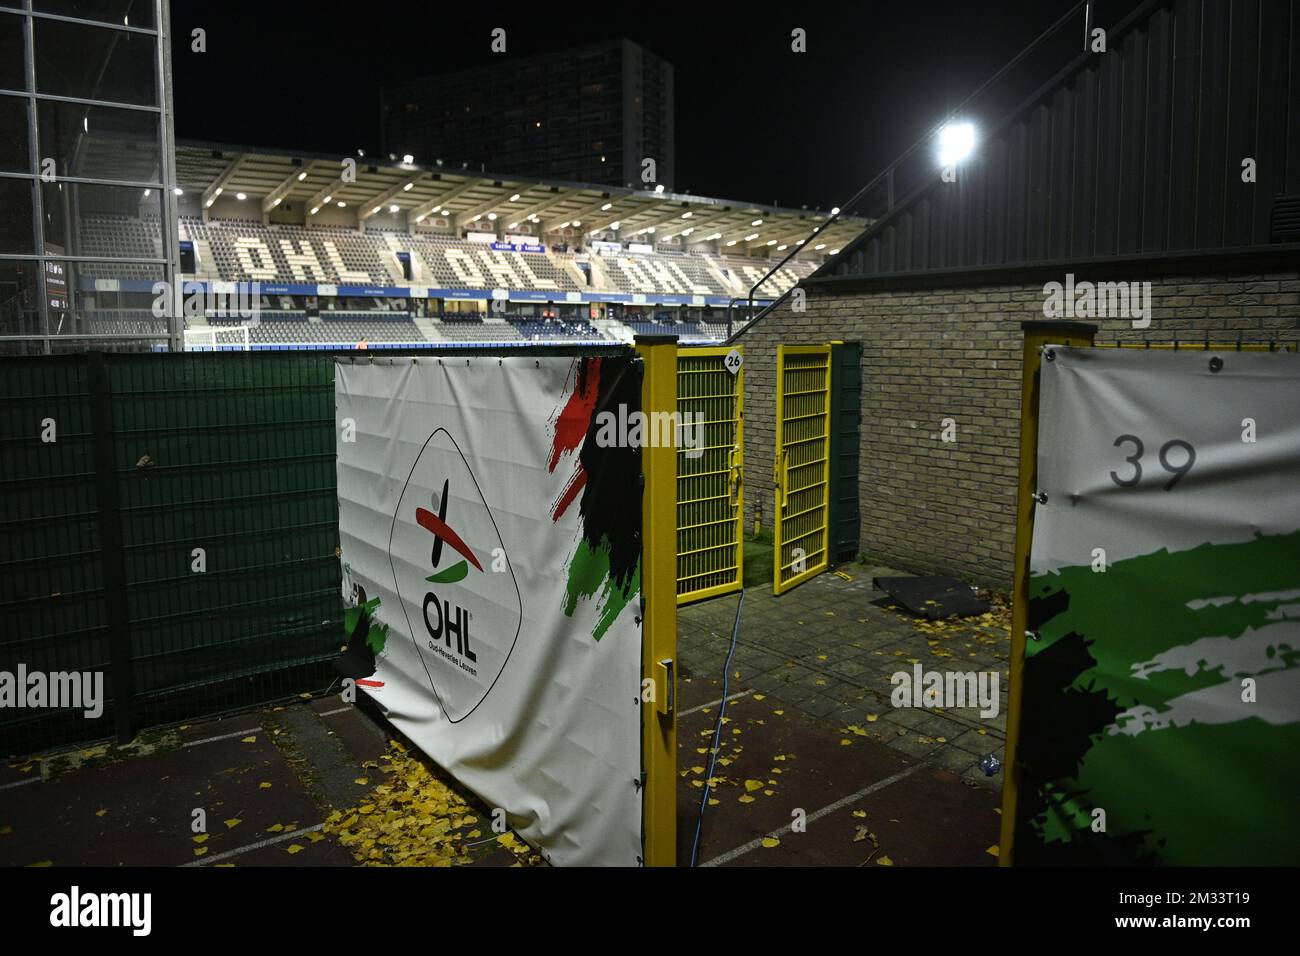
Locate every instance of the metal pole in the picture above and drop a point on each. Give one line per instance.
(1037, 334)
(169, 209)
(34, 157)
(659, 600)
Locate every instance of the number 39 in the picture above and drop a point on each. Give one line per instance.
(1135, 460)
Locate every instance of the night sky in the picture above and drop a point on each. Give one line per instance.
(754, 121)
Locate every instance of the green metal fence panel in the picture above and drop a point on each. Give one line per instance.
(215, 484)
(846, 418)
(53, 614)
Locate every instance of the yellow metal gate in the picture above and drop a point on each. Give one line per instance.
(801, 467)
(709, 493)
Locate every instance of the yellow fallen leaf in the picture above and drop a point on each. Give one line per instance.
(845, 742)
(779, 713)
(746, 798)
(697, 769)
(200, 850)
(752, 785)
(249, 740)
(315, 836)
(201, 838)
(264, 786)
(872, 718)
(43, 863)
(232, 823)
(859, 813)
(993, 850)
(769, 842)
(293, 848)
(100, 813)
(884, 861)
(760, 697)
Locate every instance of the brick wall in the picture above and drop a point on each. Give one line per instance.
(954, 353)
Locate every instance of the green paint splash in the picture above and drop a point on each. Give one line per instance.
(1196, 794)
(589, 573)
(450, 575)
(376, 632)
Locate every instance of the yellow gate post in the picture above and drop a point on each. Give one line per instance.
(659, 593)
(803, 435)
(1037, 334)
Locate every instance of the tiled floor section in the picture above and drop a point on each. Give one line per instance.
(828, 648)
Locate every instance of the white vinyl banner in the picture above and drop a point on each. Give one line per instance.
(512, 655)
(1161, 705)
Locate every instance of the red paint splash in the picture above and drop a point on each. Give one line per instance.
(431, 522)
(576, 484)
(571, 425)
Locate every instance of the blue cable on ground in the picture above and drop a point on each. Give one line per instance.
(717, 731)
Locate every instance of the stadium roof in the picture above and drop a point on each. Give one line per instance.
(270, 177)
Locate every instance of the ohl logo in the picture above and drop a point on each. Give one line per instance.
(441, 623)
(464, 620)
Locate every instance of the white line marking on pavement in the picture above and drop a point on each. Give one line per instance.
(815, 815)
(20, 783)
(331, 713)
(209, 740)
(270, 841)
(714, 703)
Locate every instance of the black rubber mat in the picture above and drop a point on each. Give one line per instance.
(933, 597)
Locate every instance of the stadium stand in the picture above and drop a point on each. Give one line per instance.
(663, 273)
(745, 272)
(239, 250)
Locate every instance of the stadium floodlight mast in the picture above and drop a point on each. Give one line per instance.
(956, 143)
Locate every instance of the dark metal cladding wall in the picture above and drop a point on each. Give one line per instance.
(1134, 151)
(157, 455)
